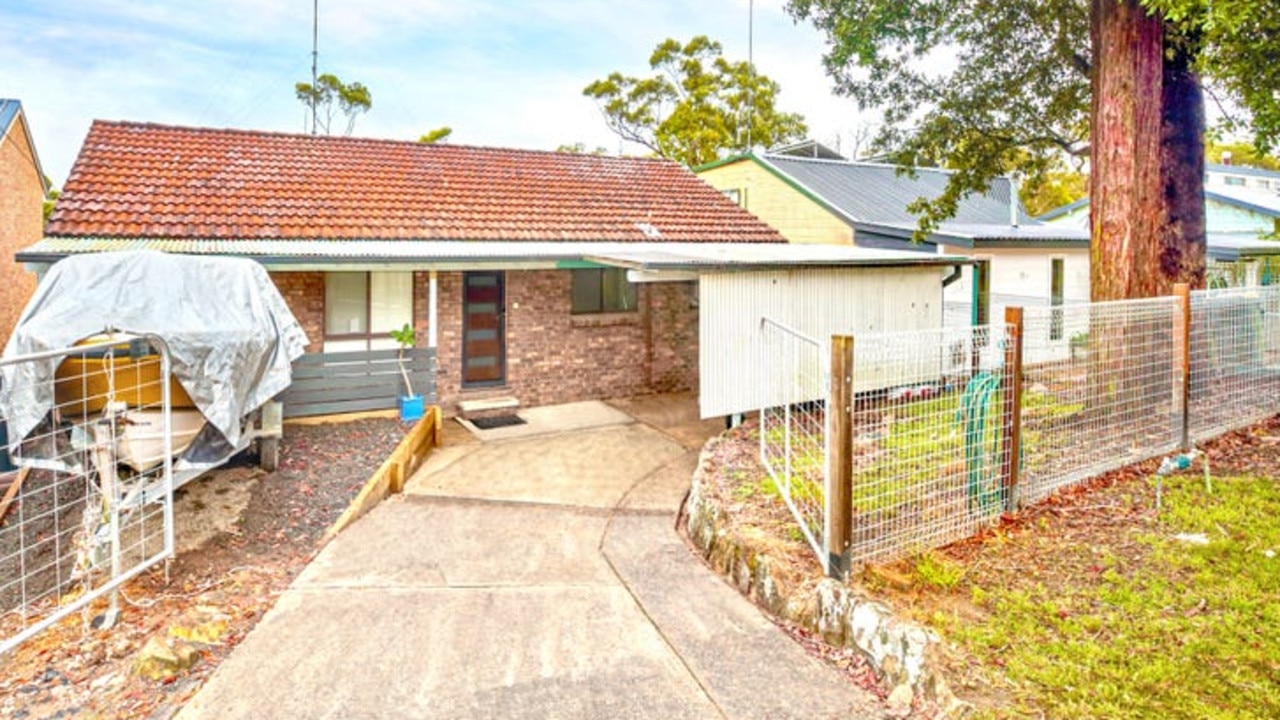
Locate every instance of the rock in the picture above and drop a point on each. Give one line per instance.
(901, 697)
(205, 633)
(158, 660)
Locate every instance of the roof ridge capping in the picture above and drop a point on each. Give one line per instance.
(364, 139)
(869, 164)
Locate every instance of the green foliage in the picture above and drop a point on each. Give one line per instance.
(936, 571)
(1055, 188)
(581, 149)
(1175, 631)
(50, 199)
(437, 135)
(987, 88)
(1242, 153)
(983, 88)
(352, 100)
(1239, 41)
(696, 105)
(406, 336)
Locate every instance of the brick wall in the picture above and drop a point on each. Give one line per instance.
(554, 356)
(21, 224)
(304, 292)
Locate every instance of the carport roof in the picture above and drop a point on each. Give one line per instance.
(455, 255)
(693, 258)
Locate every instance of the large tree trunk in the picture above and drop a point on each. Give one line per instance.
(1182, 237)
(1147, 190)
(1147, 208)
(1125, 193)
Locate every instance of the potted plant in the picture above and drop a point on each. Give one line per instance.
(411, 405)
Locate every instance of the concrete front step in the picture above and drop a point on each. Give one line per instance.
(483, 407)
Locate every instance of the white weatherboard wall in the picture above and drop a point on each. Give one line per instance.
(1025, 274)
(817, 302)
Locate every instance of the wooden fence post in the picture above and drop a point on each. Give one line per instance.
(1182, 341)
(839, 507)
(1011, 428)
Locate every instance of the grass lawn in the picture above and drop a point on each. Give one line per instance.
(1095, 608)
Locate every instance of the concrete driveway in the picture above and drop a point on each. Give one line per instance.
(532, 576)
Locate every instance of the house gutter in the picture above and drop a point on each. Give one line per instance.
(956, 272)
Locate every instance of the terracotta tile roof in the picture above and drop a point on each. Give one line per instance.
(145, 180)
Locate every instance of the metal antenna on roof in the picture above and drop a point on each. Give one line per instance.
(315, 56)
(751, 68)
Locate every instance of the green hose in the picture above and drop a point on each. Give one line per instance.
(975, 404)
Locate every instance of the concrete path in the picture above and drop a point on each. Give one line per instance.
(533, 577)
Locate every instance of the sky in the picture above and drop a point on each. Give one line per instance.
(500, 73)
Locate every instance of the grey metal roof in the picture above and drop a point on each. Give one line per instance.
(445, 254)
(872, 192)
(983, 235)
(1263, 202)
(1241, 170)
(807, 149)
(1240, 246)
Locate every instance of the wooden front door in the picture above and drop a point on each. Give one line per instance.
(484, 342)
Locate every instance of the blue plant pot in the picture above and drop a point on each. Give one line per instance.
(412, 408)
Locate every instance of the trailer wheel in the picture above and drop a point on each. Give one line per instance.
(268, 453)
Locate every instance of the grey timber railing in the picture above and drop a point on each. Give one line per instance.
(332, 383)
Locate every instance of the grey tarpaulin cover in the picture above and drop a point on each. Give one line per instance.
(231, 337)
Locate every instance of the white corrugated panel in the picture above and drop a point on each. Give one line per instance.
(817, 302)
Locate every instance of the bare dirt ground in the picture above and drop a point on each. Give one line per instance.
(242, 536)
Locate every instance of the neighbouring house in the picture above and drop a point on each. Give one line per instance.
(1224, 174)
(811, 197)
(1242, 223)
(22, 192)
(530, 277)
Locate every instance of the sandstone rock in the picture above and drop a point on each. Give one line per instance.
(158, 659)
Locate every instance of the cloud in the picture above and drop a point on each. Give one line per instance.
(499, 73)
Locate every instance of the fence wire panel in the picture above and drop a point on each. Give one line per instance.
(1235, 359)
(931, 437)
(793, 425)
(1101, 390)
(87, 492)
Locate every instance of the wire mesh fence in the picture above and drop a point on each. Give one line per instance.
(87, 488)
(936, 421)
(1235, 359)
(793, 425)
(1101, 390)
(930, 438)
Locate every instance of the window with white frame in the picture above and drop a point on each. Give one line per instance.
(362, 308)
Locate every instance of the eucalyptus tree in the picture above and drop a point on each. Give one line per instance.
(696, 106)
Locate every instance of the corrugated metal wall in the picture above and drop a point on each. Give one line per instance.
(817, 302)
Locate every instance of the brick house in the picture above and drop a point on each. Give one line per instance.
(493, 255)
(22, 191)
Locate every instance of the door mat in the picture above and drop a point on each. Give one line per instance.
(496, 421)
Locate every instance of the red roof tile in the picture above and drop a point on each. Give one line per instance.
(144, 180)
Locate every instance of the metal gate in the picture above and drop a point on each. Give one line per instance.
(86, 478)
